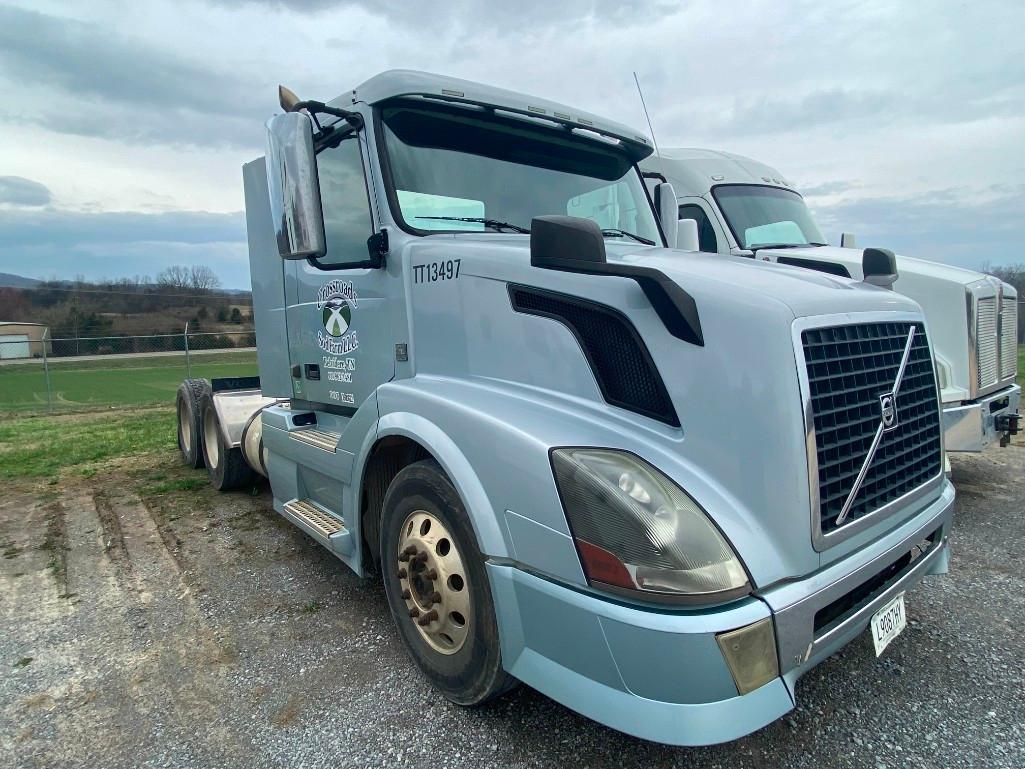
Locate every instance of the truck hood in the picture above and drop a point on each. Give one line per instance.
(851, 259)
(742, 450)
(803, 292)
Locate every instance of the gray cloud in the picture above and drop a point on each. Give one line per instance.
(473, 12)
(19, 191)
(113, 86)
(55, 243)
(55, 227)
(91, 60)
(956, 226)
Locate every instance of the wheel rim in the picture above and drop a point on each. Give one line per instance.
(211, 440)
(185, 426)
(433, 582)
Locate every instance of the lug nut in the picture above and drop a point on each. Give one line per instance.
(428, 618)
(435, 597)
(402, 573)
(414, 612)
(405, 595)
(421, 559)
(432, 574)
(407, 553)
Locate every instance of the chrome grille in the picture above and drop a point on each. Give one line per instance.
(1009, 338)
(986, 341)
(849, 368)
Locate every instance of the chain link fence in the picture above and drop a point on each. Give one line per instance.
(78, 374)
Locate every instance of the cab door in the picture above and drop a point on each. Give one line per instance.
(338, 310)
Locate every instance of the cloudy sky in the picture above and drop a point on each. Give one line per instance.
(123, 127)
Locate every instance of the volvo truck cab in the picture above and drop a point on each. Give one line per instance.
(742, 207)
(656, 486)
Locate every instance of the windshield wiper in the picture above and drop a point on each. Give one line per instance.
(494, 224)
(615, 232)
(776, 246)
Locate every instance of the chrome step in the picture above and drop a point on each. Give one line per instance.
(320, 439)
(314, 517)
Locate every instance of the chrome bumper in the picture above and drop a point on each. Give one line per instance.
(795, 604)
(973, 427)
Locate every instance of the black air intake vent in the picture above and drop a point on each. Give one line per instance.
(621, 363)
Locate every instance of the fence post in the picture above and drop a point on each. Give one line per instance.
(46, 374)
(188, 358)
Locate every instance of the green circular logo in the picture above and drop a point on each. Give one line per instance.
(336, 316)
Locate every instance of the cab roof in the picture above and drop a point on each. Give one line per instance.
(399, 83)
(694, 171)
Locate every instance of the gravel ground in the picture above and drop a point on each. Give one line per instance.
(187, 629)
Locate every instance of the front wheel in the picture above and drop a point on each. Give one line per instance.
(438, 588)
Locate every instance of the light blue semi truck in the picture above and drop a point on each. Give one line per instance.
(656, 486)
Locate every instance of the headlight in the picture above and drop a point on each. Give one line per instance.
(637, 530)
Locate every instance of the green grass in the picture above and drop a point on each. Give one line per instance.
(44, 447)
(137, 381)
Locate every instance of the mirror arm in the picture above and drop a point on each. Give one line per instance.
(319, 108)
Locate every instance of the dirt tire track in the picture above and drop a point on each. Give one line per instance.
(113, 539)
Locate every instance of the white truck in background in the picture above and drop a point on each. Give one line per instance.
(742, 207)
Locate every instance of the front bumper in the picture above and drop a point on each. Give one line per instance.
(660, 675)
(973, 427)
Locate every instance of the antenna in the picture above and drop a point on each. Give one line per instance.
(647, 117)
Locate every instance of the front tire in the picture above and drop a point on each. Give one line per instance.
(438, 588)
(226, 466)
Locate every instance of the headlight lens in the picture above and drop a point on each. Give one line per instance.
(637, 530)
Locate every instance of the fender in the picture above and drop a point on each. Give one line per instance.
(490, 537)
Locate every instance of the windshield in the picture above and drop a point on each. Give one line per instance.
(767, 216)
(455, 169)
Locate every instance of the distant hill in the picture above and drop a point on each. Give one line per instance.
(17, 281)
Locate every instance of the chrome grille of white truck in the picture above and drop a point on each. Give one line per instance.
(986, 342)
(850, 370)
(1009, 338)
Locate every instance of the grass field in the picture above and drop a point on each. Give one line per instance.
(46, 447)
(136, 381)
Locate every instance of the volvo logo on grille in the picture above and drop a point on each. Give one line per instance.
(888, 407)
(887, 421)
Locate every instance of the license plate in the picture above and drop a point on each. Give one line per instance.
(888, 622)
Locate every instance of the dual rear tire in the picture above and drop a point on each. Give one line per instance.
(201, 441)
(190, 420)
(226, 465)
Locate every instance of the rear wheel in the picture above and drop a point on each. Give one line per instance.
(226, 466)
(190, 394)
(438, 588)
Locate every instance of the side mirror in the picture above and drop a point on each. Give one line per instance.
(294, 187)
(879, 266)
(668, 211)
(847, 240)
(687, 235)
(558, 239)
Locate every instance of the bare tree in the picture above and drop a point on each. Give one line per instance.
(176, 276)
(202, 278)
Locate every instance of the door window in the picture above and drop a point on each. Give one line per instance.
(706, 232)
(343, 195)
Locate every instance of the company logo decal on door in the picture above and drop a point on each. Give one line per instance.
(336, 301)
